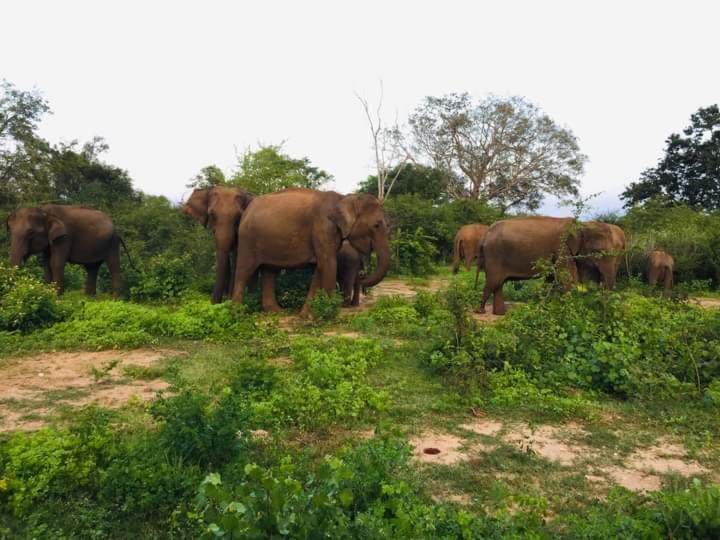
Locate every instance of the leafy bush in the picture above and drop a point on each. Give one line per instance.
(164, 278)
(25, 302)
(325, 307)
(412, 252)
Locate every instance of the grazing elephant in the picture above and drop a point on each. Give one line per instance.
(220, 209)
(660, 269)
(467, 245)
(66, 234)
(301, 227)
(512, 247)
(350, 271)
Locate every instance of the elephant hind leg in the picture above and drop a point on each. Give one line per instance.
(91, 280)
(113, 264)
(269, 301)
(314, 285)
(356, 294)
(243, 271)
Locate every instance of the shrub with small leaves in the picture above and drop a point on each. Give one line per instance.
(25, 302)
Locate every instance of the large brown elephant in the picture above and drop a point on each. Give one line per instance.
(512, 248)
(66, 234)
(300, 227)
(220, 209)
(350, 272)
(467, 245)
(660, 269)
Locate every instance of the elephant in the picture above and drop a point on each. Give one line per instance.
(467, 245)
(220, 209)
(66, 234)
(350, 271)
(512, 247)
(300, 227)
(660, 269)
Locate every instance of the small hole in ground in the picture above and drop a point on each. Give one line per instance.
(431, 451)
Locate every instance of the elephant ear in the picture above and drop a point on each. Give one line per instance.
(56, 228)
(197, 206)
(574, 239)
(345, 214)
(244, 199)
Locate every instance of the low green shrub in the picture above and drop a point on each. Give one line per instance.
(26, 303)
(326, 307)
(164, 278)
(413, 252)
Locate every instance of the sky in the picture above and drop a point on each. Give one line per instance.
(175, 86)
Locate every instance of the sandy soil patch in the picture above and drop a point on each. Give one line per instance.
(633, 480)
(345, 334)
(437, 448)
(664, 458)
(712, 303)
(546, 442)
(483, 427)
(458, 498)
(98, 376)
(281, 361)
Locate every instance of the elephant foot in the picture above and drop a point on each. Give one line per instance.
(272, 308)
(482, 310)
(305, 314)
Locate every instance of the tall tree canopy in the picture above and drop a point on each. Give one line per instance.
(412, 179)
(504, 151)
(269, 169)
(689, 172)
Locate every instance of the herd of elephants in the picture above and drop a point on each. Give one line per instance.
(296, 228)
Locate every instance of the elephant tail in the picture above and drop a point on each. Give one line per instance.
(127, 252)
(457, 255)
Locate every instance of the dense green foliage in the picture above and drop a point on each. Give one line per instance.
(25, 302)
(689, 172)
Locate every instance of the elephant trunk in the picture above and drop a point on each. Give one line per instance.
(382, 249)
(17, 253)
(223, 249)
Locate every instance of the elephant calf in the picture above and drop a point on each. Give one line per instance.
(660, 269)
(66, 234)
(350, 270)
(466, 247)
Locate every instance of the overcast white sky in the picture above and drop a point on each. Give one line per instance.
(175, 86)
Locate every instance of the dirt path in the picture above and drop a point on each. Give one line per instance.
(32, 387)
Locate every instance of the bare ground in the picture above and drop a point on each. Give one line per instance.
(32, 387)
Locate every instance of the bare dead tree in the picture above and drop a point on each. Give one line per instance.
(391, 152)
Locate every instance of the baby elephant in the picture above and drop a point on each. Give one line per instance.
(660, 269)
(66, 234)
(350, 270)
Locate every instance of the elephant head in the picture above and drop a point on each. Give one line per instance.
(32, 230)
(597, 247)
(219, 209)
(361, 220)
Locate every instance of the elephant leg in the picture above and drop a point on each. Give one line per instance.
(231, 274)
(47, 272)
(356, 293)
(244, 269)
(314, 285)
(269, 301)
(668, 280)
(58, 259)
(113, 264)
(499, 307)
(91, 280)
(652, 277)
(252, 285)
(469, 258)
(222, 262)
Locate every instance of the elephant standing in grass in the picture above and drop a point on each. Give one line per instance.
(513, 247)
(220, 209)
(660, 270)
(66, 234)
(350, 270)
(467, 245)
(300, 227)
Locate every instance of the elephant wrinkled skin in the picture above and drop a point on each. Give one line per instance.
(66, 234)
(300, 227)
(350, 270)
(660, 269)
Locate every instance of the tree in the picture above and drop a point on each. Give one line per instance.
(268, 169)
(23, 155)
(503, 151)
(689, 172)
(208, 177)
(390, 152)
(411, 179)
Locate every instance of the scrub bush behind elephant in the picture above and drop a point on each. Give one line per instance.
(512, 249)
(660, 268)
(299, 227)
(220, 210)
(63, 234)
(466, 247)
